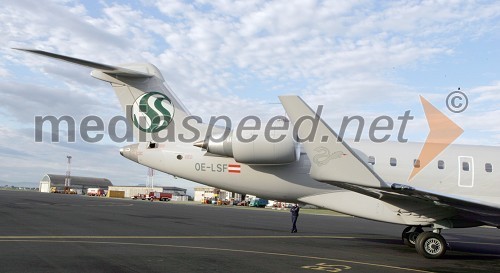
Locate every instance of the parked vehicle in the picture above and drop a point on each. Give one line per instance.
(140, 196)
(258, 202)
(161, 196)
(95, 192)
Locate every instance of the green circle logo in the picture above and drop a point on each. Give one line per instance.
(152, 112)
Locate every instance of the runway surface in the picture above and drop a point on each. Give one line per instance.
(42, 232)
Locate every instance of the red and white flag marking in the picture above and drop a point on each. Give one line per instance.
(234, 168)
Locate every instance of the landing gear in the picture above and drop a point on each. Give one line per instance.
(410, 235)
(431, 245)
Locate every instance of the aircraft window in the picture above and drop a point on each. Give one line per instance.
(440, 164)
(416, 163)
(465, 166)
(371, 160)
(488, 167)
(393, 161)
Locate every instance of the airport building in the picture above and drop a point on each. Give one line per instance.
(203, 193)
(79, 184)
(178, 194)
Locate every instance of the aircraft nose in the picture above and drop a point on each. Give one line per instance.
(130, 152)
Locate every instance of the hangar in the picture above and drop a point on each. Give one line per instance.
(178, 194)
(205, 192)
(79, 184)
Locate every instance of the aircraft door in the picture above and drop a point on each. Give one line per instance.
(466, 171)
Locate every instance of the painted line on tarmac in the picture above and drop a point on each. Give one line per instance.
(476, 243)
(12, 237)
(231, 250)
(75, 205)
(179, 237)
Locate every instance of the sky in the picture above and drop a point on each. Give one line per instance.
(234, 58)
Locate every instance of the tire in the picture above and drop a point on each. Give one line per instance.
(410, 238)
(430, 245)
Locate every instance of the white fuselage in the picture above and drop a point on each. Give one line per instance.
(291, 182)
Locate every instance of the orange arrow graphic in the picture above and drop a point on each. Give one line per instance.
(442, 132)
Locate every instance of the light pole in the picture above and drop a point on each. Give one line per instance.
(67, 180)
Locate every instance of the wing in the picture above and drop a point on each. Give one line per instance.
(336, 163)
(463, 204)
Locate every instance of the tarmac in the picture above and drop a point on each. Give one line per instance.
(42, 232)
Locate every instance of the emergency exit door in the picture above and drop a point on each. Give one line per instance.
(466, 171)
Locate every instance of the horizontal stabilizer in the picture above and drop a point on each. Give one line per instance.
(108, 69)
(332, 160)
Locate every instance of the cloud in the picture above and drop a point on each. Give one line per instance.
(23, 101)
(234, 58)
(487, 93)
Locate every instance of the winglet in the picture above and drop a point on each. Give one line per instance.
(332, 160)
(108, 69)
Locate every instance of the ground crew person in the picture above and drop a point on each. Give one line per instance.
(295, 214)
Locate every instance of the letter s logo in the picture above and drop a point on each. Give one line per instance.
(152, 112)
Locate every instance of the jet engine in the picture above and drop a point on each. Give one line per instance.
(255, 147)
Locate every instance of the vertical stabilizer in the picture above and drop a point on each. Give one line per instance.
(151, 108)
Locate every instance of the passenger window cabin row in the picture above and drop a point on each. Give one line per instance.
(488, 167)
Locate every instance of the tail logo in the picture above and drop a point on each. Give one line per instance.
(152, 112)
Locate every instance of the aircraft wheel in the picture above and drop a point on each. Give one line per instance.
(409, 238)
(430, 245)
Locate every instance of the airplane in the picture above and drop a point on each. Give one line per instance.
(457, 189)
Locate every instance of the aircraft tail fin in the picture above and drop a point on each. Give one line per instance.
(332, 160)
(151, 107)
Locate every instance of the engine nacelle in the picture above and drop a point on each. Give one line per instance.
(260, 150)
